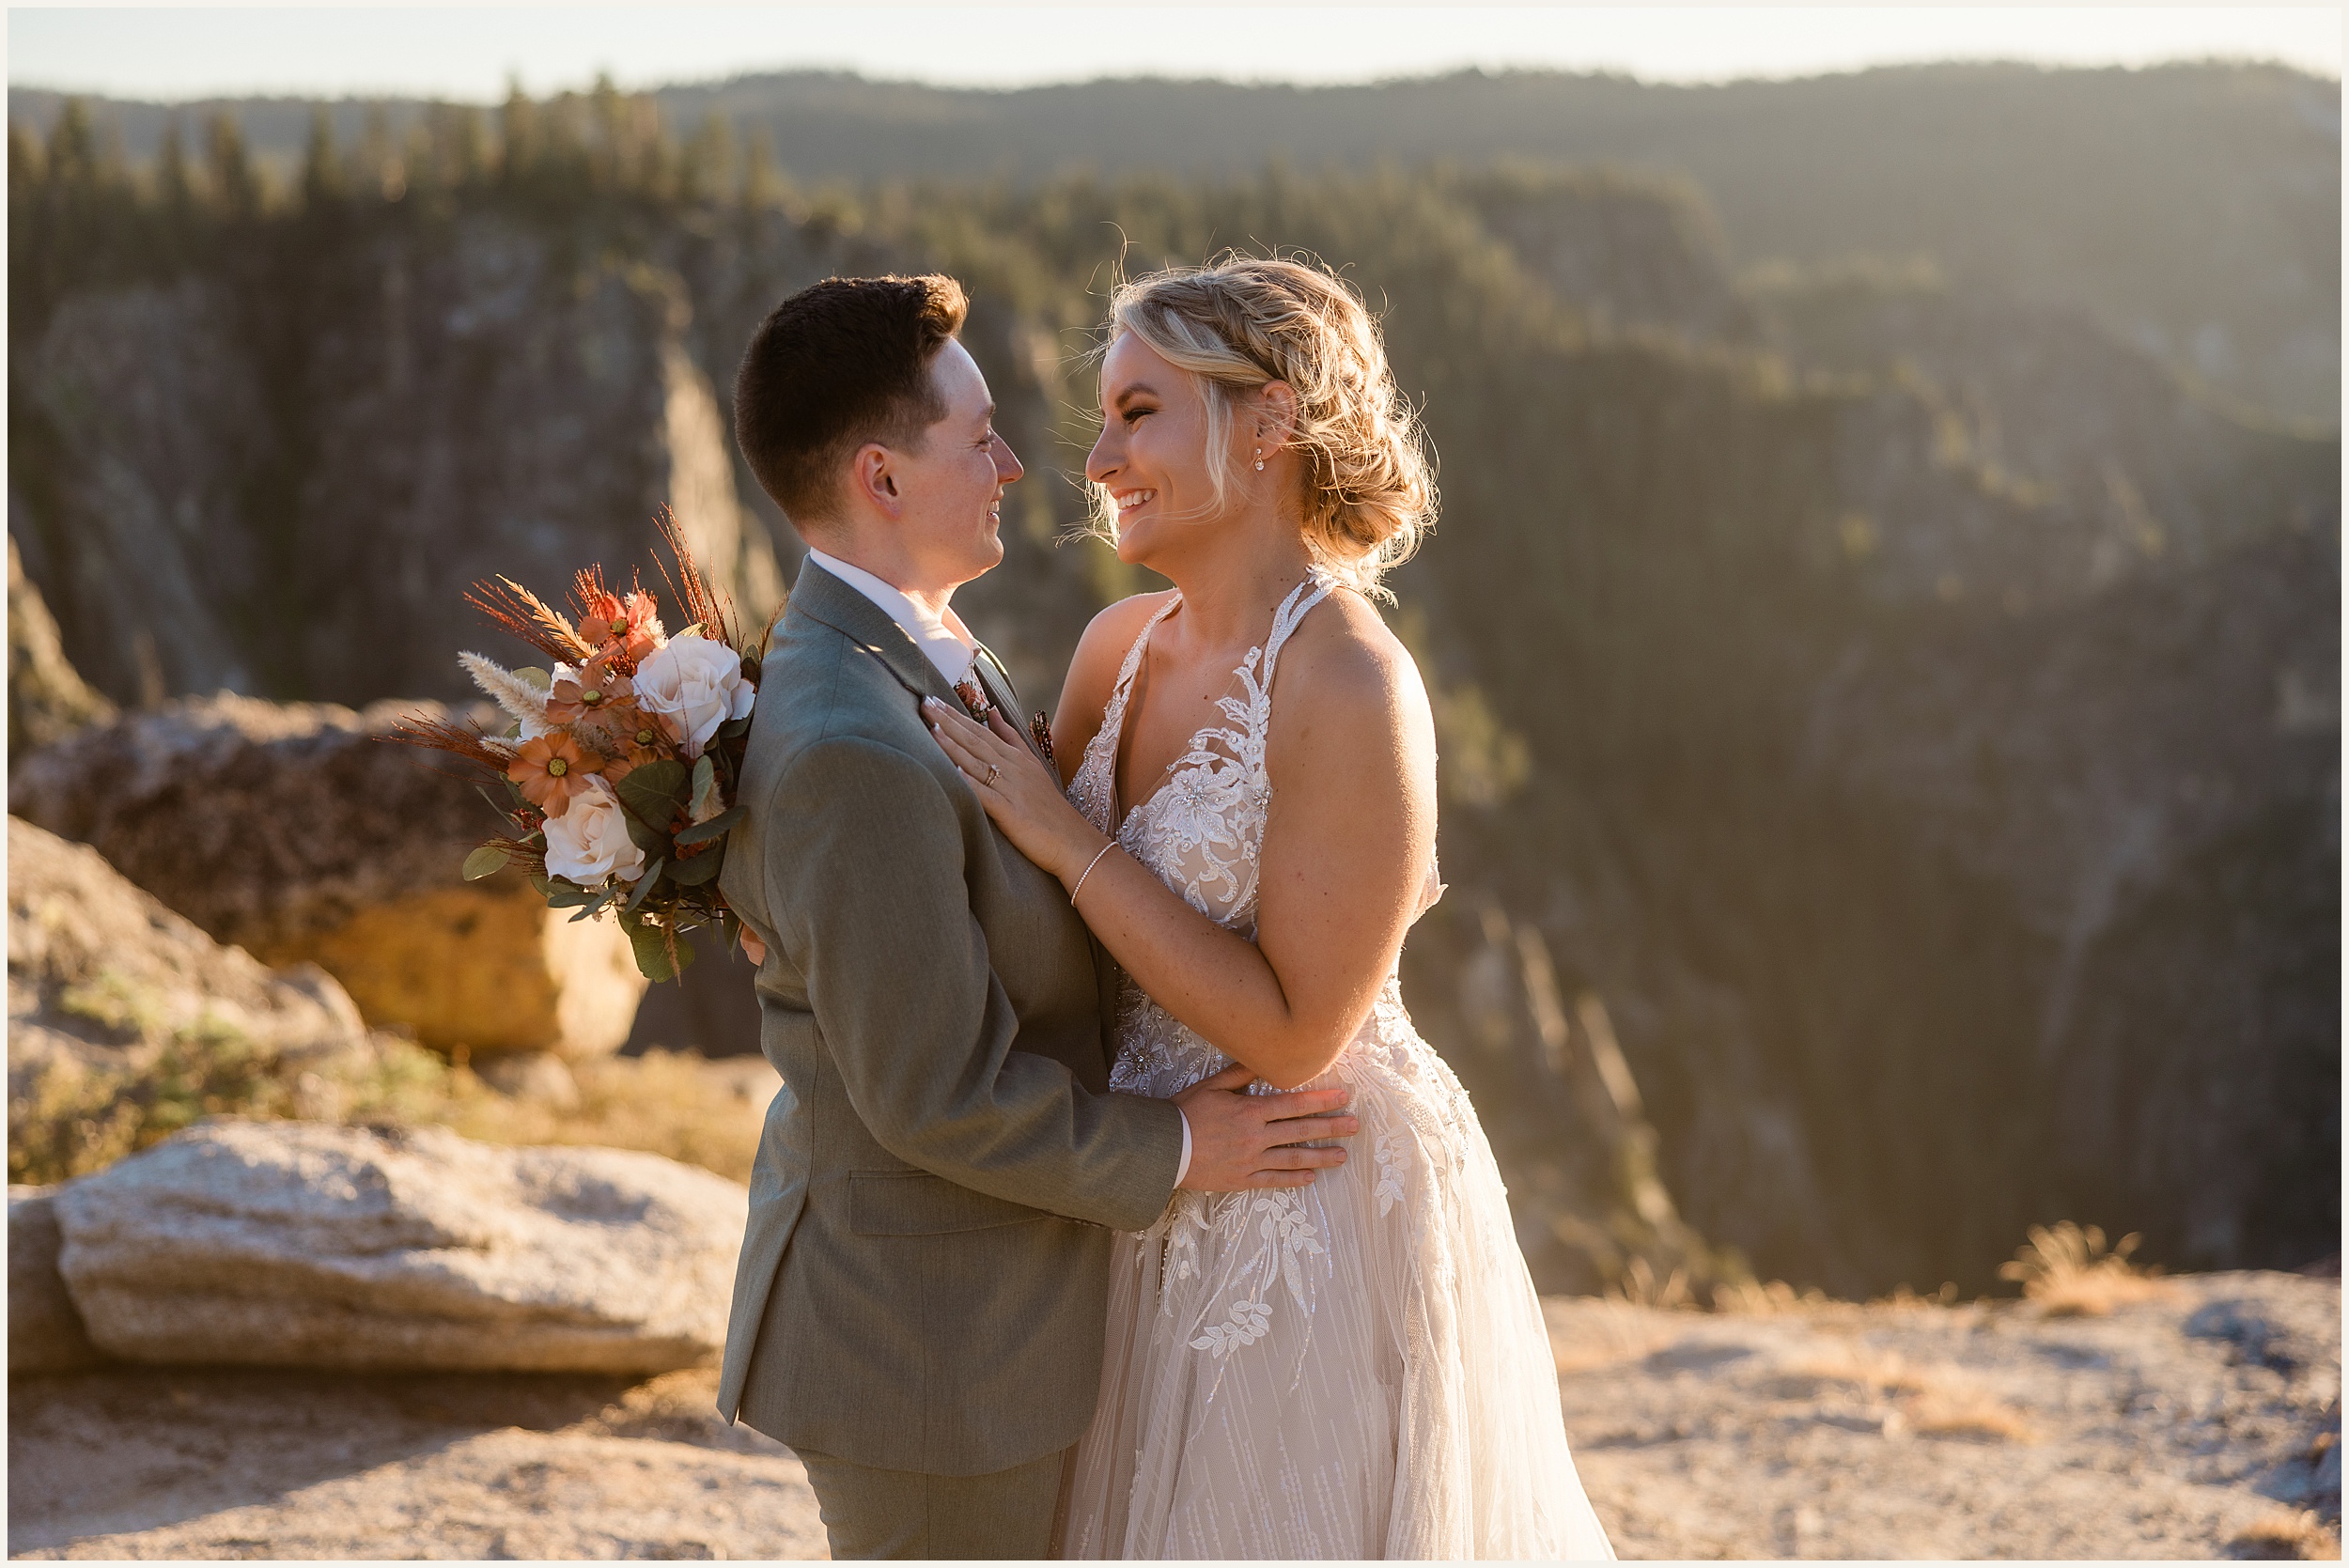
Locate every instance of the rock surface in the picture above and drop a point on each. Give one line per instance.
(419, 410)
(45, 1333)
(295, 1244)
(209, 1462)
(2204, 1422)
(293, 831)
(95, 961)
(48, 699)
(2171, 1428)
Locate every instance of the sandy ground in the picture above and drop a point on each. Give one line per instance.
(2202, 1423)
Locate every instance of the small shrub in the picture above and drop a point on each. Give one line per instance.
(68, 1120)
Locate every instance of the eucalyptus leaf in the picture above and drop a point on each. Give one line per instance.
(701, 868)
(655, 792)
(595, 905)
(734, 727)
(717, 827)
(542, 679)
(652, 953)
(705, 788)
(485, 861)
(643, 887)
(651, 839)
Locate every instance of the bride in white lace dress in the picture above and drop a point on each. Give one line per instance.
(1350, 1363)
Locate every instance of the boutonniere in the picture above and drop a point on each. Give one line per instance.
(974, 698)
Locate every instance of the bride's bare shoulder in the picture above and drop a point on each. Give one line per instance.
(1343, 653)
(1108, 636)
(1094, 669)
(1347, 692)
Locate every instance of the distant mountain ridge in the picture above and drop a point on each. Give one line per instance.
(2194, 209)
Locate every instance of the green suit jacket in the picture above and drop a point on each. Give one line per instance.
(923, 1283)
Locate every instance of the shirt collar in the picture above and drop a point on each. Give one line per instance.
(944, 642)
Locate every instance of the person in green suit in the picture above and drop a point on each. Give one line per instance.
(920, 1303)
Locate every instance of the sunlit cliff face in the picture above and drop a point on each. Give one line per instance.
(1153, 458)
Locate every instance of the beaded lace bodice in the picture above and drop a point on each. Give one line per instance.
(1201, 831)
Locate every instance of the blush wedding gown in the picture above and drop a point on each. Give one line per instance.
(1354, 1369)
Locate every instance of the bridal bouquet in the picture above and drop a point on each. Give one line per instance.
(620, 765)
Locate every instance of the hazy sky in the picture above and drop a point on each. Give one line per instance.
(469, 53)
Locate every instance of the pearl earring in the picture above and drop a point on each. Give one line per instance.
(1260, 459)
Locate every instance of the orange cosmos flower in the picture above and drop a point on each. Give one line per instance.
(594, 685)
(598, 612)
(623, 630)
(648, 740)
(551, 769)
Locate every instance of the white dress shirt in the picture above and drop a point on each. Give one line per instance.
(946, 642)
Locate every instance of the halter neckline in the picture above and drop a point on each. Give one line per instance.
(1285, 619)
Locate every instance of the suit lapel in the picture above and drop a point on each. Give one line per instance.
(996, 680)
(997, 683)
(824, 597)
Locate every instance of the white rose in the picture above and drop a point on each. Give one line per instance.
(696, 682)
(589, 842)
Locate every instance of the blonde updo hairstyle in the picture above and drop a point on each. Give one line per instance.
(1242, 322)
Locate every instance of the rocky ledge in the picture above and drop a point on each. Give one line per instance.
(2201, 1421)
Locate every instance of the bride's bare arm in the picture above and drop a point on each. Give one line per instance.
(1351, 834)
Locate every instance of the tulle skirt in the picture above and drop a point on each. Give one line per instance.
(1356, 1369)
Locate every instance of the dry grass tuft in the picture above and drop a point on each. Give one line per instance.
(2287, 1534)
(1877, 1371)
(1601, 1331)
(1753, 1299)
(1904, 1299)
(1957, 1407)
(1932, 1401)
(1639, 1287)
(661, 1102)
(2067, 1272)
(69, 1116)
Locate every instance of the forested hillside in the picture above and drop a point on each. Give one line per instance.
(2195, 210)
(1896, 717)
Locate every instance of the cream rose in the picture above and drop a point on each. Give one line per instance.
(696, 683)
(589, 842)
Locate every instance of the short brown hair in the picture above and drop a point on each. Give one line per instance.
(839, 363)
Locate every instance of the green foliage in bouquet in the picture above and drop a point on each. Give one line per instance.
(619, 773)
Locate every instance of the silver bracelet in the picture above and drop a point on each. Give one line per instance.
(1087, 872)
